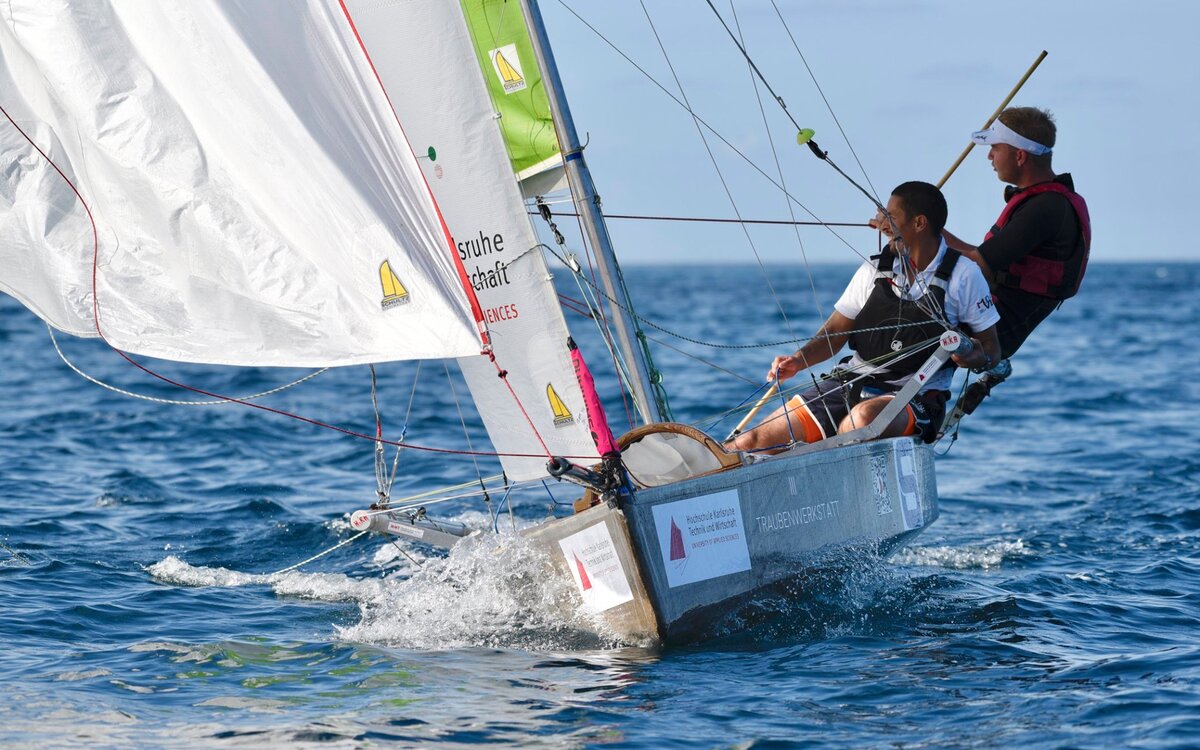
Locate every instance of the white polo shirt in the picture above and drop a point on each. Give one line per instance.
(968, 300)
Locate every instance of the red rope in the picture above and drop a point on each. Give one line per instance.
(503, 374)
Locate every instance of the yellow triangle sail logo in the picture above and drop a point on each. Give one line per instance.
(508, 73)
(394, 292)
(562, 415)
(507, 65)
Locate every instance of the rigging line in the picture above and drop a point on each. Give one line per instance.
(783, 181)
(503, 375)
(380, 456)
(412, 505)
(712, 345)
(822, 155)
(404, 430)
(701, 360)
(614, 352)
(434, 493)
(858, 371)
(499, 506)
(462, 421)
(713, 220)
(926, 302)
(594, 311)
(598, 314)
(553, 499)
(173, 402)
(16, 555)
(86, 208)
(716, 167)
(828, 106)
(713, 130)
(404, 552)
(317, 556)
(576, 307)
(715, 419)
(953, 436)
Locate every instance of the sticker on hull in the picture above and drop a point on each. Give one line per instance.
(906, 479)
(702, 537)
(879, 483)
(596, 568)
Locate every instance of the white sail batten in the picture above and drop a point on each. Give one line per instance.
(255, 199)
(424, 55)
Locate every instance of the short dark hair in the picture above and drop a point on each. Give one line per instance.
(1036, 125)
(922, 199)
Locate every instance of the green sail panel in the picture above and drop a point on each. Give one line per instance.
(514, 84)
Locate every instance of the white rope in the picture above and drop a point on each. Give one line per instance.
(415, 502)
(319, 555)
(217, 402)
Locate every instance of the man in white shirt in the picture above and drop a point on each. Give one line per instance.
(892, 313)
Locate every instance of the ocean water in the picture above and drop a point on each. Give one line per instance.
(1055, 603)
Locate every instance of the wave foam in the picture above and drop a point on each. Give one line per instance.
(982, 557)
(494, 590)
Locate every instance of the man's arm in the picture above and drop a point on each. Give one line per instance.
(971, 252)
(984, 354)
(827, 342)
(1037, 221)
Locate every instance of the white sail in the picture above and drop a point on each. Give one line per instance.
(422, 50)
(254, 197)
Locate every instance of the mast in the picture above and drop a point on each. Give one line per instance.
(588, 204)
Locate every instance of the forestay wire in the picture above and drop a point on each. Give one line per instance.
(816, 299)
(923, 299)
(714, 131)
(717, 168)
(812, 144)
(825, 99)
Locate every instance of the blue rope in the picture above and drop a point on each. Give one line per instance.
(787, 414)
(499, 506)
(733, 411)
(553, 499)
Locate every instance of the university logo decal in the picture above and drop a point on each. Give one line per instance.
(562, 415)
(677, 549)
(507, 65)
(394, 292)
(585, 583)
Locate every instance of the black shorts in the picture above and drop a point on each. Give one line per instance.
(828, 403)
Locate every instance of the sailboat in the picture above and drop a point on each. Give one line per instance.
(346, 182)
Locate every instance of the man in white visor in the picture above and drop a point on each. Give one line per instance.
(1036, 253)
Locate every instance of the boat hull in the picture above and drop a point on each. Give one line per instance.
(674, 558)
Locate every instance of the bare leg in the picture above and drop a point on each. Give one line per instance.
(778, 430)
(865, 412)
(771, 431)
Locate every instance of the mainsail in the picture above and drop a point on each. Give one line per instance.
(424, 54)
(255, 199)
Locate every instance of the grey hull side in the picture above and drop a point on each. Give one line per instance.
(787, 514)
(691, 550)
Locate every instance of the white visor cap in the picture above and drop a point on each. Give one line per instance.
(1001, 133)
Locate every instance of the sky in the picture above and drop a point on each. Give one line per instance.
(908, 81)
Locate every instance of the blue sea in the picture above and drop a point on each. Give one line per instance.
(1055, 603)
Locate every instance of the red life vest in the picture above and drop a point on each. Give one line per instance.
(1056, 278)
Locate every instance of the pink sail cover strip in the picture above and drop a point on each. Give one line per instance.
(605, 443)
